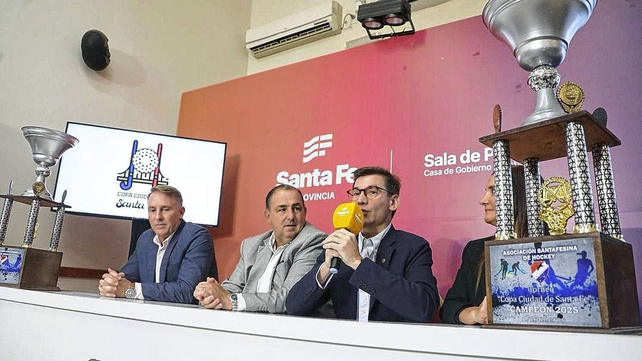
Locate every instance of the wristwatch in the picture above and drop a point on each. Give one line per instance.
(130, 292)
(235, 301)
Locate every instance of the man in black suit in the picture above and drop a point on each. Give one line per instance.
(386, 275)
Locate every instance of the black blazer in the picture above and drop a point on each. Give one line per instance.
(465, 292)
(401, 285)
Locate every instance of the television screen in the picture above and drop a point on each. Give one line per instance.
(110, 171)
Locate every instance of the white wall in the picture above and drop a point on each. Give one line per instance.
(265, 11)
(159, 49)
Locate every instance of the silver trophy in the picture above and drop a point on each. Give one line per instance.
(25, 266)
(47, 146)
(539, 33)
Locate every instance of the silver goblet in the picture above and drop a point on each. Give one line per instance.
(539, 33)
(47, 146)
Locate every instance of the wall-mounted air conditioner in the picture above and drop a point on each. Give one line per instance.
(301, 28)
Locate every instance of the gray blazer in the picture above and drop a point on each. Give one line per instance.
(297, 259)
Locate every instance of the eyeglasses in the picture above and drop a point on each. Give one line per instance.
(371, 192)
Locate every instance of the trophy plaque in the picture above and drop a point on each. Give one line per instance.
(585, 278)
(24, 266)
(568, 280)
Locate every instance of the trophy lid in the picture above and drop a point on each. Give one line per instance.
(47, 145)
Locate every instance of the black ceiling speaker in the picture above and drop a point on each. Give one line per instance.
(95, 51)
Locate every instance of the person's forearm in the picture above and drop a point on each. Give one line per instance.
(323, 274)
(470, 316)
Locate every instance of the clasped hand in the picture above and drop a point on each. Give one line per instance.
(212, 295)
(113, 284)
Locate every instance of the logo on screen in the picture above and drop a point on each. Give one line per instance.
(144, 168)
(316, 146)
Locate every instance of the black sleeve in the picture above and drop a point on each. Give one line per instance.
(469, 286)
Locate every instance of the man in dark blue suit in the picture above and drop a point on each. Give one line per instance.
(170, 259)
(386, 273)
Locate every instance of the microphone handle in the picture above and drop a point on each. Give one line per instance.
(335, 264)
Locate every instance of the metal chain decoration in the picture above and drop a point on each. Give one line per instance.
(30, 232)
(6, 213)
(503, 191)
(580, 179)
(609, 216)
(543, 77)
(4, 219)
(532, 179)
(55, 234)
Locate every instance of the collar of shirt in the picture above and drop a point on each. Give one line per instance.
(376, 240)
(165, 242)
(272, 243)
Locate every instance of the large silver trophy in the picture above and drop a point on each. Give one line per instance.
(539, 33)
(24, 266)
(568, 279)
(47, 146)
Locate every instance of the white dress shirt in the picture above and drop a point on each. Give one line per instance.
(264, 285)
(368, 248)
(162, 247)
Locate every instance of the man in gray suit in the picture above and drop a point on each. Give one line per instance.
(271, 263)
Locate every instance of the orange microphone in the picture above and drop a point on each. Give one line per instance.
(346, 216)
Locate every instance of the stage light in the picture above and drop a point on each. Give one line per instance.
(393, 13)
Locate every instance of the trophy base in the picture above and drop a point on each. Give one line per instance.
(574, 280)
(29, 268)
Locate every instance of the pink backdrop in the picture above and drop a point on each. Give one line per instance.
(408, 103)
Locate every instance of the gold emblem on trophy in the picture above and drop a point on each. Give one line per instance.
(38, 188)
(571, 97)
(555, 198)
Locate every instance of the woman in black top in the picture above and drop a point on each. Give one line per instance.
(465, 302)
